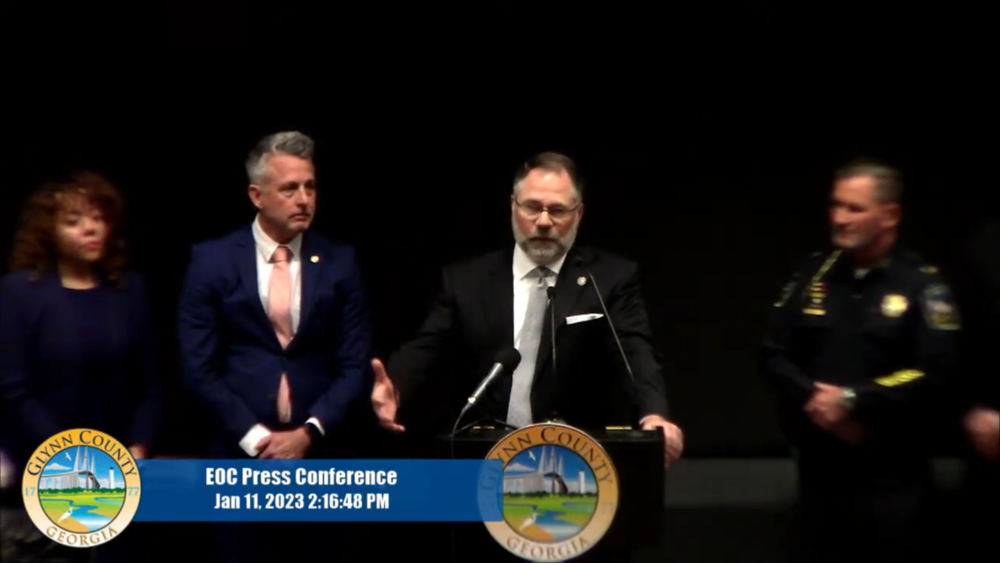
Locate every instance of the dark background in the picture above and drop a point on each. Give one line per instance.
(716, 191)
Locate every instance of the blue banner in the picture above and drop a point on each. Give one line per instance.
(393, 490)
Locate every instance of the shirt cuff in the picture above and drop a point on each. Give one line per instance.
(315, 422)
(249, 441)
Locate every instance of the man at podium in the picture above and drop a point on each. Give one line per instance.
(575, 314)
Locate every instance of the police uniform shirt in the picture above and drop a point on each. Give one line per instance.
(888, 333)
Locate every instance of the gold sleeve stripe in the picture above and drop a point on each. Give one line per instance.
(900, 377)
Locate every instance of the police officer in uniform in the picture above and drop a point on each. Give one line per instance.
(862, 343)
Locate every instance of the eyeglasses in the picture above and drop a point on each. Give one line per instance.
(533, 210)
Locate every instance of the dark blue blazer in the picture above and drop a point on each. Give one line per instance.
(232, 359)
(64, 366)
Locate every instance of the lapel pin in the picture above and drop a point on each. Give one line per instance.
(314, 259)
(581, 280)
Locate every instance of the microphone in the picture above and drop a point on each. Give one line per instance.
(551, 292)
(506, 361)
(621, 351)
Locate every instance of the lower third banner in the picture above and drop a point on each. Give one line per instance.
(320, 490)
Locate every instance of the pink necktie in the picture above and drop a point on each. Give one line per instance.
(279, 301)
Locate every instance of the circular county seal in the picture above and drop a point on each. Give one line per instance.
(560, 492)
(81, 487)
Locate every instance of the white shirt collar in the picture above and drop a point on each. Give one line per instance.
(523, 265)
(266, 245)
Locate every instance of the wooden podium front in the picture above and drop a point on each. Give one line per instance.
(638, 459)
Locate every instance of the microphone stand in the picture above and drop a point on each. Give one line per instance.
(451, 453)
(505, 361)
(551, 292)
(454, 427)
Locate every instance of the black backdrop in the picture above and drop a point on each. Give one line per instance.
(716, 200)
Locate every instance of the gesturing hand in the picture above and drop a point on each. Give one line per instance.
(385, 398)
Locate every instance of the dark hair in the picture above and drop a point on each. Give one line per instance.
(888, 180)
(553, 162)
(35, 240)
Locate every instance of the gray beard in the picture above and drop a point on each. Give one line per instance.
(548, 253)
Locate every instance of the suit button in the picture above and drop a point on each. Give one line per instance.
(272, 395)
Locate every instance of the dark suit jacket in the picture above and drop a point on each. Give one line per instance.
(472, 319)
(232, 360)
(64, 366)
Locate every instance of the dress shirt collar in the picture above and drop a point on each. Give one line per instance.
(523, 265)
(266, 245)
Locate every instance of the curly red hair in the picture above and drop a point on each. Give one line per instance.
(35, 240)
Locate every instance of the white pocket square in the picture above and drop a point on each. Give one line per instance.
(582, 318)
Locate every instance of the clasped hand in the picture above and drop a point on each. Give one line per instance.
(290, 444)
(825, 408)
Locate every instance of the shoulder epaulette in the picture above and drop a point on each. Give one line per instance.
(827, 264)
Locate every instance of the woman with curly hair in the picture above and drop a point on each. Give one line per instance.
(76, 342)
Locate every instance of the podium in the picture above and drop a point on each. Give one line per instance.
(638, 522)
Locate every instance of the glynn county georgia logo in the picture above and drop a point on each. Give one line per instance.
(81, 488)
(560, 493)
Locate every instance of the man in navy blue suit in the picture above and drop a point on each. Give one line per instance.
(275, 339)
(273, 323)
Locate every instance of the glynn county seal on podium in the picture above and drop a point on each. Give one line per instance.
(81, 488)
(560, 492)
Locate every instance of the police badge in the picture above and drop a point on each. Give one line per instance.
(894, 305)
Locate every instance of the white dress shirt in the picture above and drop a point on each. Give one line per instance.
(265, 250)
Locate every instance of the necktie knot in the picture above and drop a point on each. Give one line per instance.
(540, 273)
(281, 254)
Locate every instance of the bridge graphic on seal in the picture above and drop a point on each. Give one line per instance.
(80, 477)
(547, 477)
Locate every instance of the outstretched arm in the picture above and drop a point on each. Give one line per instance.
(410, 365)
